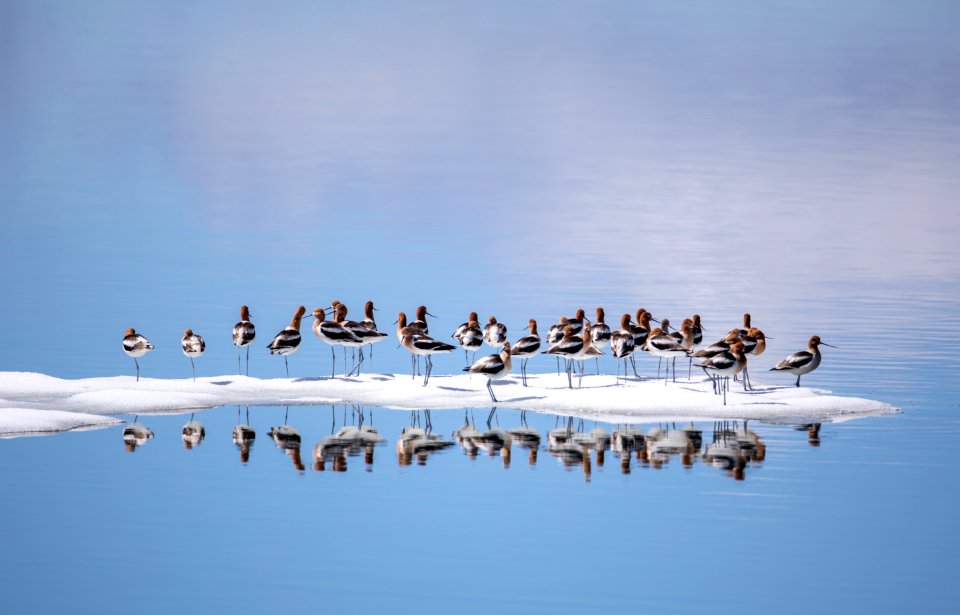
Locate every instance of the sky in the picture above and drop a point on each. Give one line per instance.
(166, 163)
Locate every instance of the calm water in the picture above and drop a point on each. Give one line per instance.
(161, 166)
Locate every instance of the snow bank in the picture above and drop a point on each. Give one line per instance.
(16, 422)
(601, 397)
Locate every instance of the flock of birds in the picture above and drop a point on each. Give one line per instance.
(574, 339)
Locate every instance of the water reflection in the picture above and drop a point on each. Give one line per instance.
(732, 446)
(349, 441)
(813, 433)
(493, 440)
(418, 440)
(624, 441)
(244, 436)
(526, 437)
(287, 438)
(193, 434)
(135, 435)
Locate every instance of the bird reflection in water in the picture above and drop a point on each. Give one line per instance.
(418, 440)
(813, 433)
(624, 441)
(193, 433)
(572, 447)
(664, 442)
(733, 447)
(135, 435)
(288, 439)
(348, 441)
(244, 436)
(494, 440)
(526, 437)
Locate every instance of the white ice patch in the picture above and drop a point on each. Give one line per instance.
(601, 397)
(16, 422)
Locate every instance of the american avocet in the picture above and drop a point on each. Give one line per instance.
(746, 325)
(494, 333)
(661, 345)
(802, 362)
(287, 341)
(622, 345)
(716, 348)
(589, 350)
(371, 324)
(754, 344)
(721, 366)
(193, 346)
(525, 348)
(569, 347)
(402, 331)
(331, 311)
(600, 333)
(641, 330)
(685, 336)
(360, 330)
(466, 325)
(243, 334)
(333, 334)
(494, 367)
(420, 323)
(135, 346)
(555, 334)
(424, 345)
(697, 331)
(470, 336)
(577, 322)
(368, 334)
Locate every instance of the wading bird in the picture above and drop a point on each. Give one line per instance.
(802, 362)
(288, 341)
(135, 346)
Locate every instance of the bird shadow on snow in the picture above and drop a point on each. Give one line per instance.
(458, 389)
(313, 379)
(221, 383)
(527, 398)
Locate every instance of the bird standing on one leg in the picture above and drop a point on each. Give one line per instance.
(135, 346)
(193, 346)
